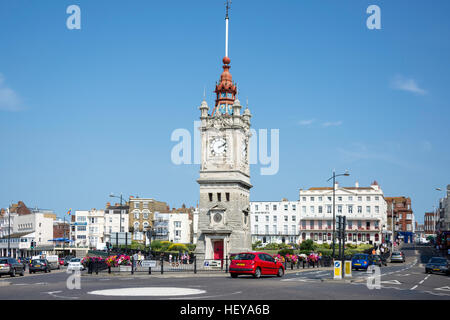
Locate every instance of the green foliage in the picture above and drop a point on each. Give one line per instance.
(256, 245)
(307, 245)
(271, 246)
(179, 247)
(285, 251)
(191, 247)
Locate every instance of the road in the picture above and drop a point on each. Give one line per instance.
(403, 281)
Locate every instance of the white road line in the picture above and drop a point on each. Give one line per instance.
(414, 287)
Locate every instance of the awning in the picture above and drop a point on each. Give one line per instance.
(60, 240)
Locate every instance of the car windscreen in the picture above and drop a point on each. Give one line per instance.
(3, 261)
(244, 256)
(75, 260)
(438, 260)
(360, 257)
(396, 254)
(38, 261)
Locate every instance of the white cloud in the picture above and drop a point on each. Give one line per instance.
(332, 124)
(306, 122)
(9, 100)
(406, 84)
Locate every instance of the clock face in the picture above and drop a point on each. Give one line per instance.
(218, 146)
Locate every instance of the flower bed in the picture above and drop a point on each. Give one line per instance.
(85, 261)
(118, 260)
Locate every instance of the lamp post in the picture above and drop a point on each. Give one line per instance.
(334, 193)
(121, 199)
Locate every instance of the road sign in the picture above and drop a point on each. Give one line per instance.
(337, 270)
(149, 264)
(348, 269)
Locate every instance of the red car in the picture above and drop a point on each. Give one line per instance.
(61, 261)
(256, 264)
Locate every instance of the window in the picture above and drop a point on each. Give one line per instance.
(359, 198)
(320, 198)
(339, 198)
(145, 205)
(256, 207)
(350, 198)
(286, 219)
(304, 224)
(274, 228)
(146, 215)
(329, 198)
(368, 198)
(274, 207)
(274, 218)
(136, 205)
(219, 197)
(303, 198)
(267, 229)
(368, 209)
(311, 198)
(256, 229)
(377, 198)
(210, 197)
(339, 209)
(311, 209)
(320, 224)
(320, 209)
(359, 224)
(328, 209)
(377, 209)
(294, 207)
(267, 207)
(285, 207)
(136, 215)
(359, 209)
(177, 224)
(368, 225)
(256, 218)
(311, 224)
(350, 209)
(328, 224)
(227, 196)
(267, 218)
(293, 218)
(350, 224)
(303, 209)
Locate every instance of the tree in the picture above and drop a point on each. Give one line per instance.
(307, 245)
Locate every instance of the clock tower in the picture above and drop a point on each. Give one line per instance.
(224, 208)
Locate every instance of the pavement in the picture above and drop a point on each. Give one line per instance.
(401, 281)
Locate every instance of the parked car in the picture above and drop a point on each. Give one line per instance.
(397, 256)
(39, 265)
(75, 265)
(438, 264)
(61, 261)
(53, 260)
(67, 259)
(256, 264)
(11, 266)
(364, 260)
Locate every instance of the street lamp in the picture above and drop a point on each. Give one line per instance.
(121, 199)
(334, 192)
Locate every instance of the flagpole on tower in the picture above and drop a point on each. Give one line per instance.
(228, 3)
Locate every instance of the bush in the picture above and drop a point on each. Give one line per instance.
(307, 245)
(191, 247)
(285, 251)
(179, 247)
(272, 246)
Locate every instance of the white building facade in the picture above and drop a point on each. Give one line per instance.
(364, 208)
(275, 221)
(93, 228)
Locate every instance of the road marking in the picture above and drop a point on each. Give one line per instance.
(53, 294)
(414, 287)
(391, 282)
(147, 292)
(443, 289)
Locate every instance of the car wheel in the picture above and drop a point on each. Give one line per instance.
(280, 272)
(23, 272)
(234, 275)
(13, 273)
(257, 273)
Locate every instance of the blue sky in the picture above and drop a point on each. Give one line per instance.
(87, 112)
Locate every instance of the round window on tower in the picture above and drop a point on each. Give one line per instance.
(217, 217)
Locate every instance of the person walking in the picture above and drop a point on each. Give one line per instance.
(135, 260)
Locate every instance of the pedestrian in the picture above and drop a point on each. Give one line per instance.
(135, 260)
(170, 258)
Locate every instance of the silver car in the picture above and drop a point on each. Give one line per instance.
(397, 257)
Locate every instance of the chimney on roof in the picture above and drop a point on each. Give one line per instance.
(108, 204)
(356, 184)
(336, 184)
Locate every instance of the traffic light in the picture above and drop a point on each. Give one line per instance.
(33, 244)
